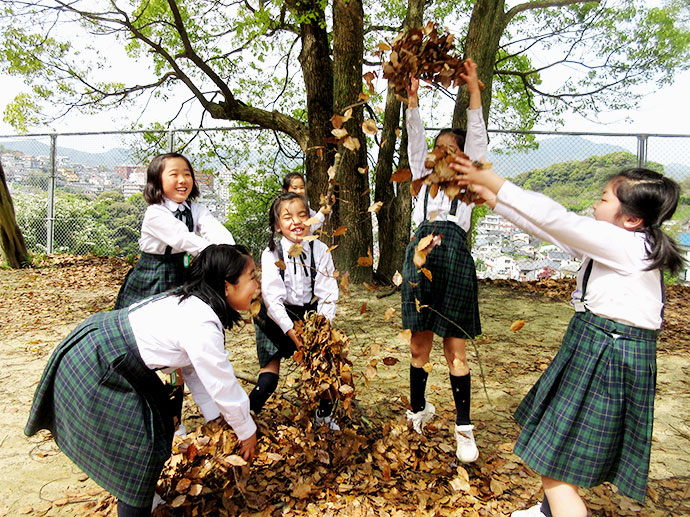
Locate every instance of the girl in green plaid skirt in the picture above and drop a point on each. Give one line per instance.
(446, 304)
(102, 400)
(588, 419)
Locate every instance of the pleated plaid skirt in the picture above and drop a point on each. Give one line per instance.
(588, 419)
(452, 293)
(152, 274)
(106, 410)
(271, 341)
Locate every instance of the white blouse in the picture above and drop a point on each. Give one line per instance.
(161, 229)
(476, 144)
(296, 289)
(189, 335)
(618, 288)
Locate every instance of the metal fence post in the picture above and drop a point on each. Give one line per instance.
(171, 141)
(642, 141)
(50, 233)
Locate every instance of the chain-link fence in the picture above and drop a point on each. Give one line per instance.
(81, 193)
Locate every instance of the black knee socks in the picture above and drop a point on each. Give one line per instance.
(418, 379)
(461, 394)
(265, 386)
(545, 508)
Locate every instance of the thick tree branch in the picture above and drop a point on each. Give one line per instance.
(541, 4)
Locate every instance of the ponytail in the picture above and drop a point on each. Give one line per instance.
(653, 198)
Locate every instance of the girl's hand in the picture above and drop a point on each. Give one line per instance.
(412, 92)
(248, 448)
(293, 335)
(326, 209)
(470, 174)
(485, 196)
(470, 76)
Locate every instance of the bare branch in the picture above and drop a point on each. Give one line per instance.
(541, 4)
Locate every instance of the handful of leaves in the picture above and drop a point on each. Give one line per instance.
(325, 370)
(425, 53)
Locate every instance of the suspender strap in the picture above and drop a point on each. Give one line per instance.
(453, 205)
(312, 269)
(585, 279)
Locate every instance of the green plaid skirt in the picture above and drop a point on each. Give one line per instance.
(152, 274)
(588, 419)
(452, 292)
(271, 341)
(107, 411)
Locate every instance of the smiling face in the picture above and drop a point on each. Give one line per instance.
(297, 186)
(240, 295)
(176, 179)
(292, 215)
(608, 208)
(448, 141)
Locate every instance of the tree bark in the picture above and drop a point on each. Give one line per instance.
(351, 210)
(11, 238)
(394, 217)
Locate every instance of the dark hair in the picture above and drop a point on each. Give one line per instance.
(207, 275)
(460, 136)
(274, 213)
(287, 180)
(153, 191)
(653, 198)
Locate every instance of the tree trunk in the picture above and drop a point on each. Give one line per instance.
(353, 194)
(481, 44)
(11, 238)
(395, 213)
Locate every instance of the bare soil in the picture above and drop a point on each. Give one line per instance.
(39, 306)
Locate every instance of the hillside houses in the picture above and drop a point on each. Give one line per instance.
(503, 251)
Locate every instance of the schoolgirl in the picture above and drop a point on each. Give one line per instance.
(100, 396)
(588, 419)
(290, 287)
(451, 295)
(294, 182)
(174, 229)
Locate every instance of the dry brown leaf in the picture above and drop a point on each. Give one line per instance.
(363, 170)
(235, 460)
(347, 115)
(383, 46)
(389, 313)
(255, 308)
(312, 221)
(295, 250)
(405, 336)
(375, 207)
(401, 175)
(345, 284)
(366, 261)
(339, 133)
(337, 121)
(363, 97)
(331, 249)
(363, 308)
(397, 279)
(517, 325)
(352, 143)
(426, 273)
(183, 485)
(428, 367)
(340, 231)
(178, 501)
(390, 361)
(369, 127)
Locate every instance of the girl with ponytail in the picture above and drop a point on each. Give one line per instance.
(588, 419)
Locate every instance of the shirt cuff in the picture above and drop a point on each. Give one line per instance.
(245, 429)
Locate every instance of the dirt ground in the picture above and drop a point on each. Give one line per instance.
(39, 306)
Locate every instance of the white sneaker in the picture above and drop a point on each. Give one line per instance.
(535, 511)
(327, 421)
(181, 431)
(467, 451)
(420, 418)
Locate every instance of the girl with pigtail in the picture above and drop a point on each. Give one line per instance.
(291, 286)
(588, 419)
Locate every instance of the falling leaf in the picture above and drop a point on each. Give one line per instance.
(401, 175)
(378, 110)
(390, 361)
(340, 231)
(345, 284)
(346, 389)
(383, 46)
(517, 325)
(339, 133)
(309, 238)
(331, 249)
(426, 273)
(405, 336)
(389, 313)
(433, 215)
(178, 501)
(369, 127)
(352, 143)
(331, 175)
(337, 121)
(375, 207)
(347, 115)
(295, 250)
(366, 261)
(363, 170)
(363, 97)
(428, 367)
(280, 265)
(397, 279)
(255, 308)
(363, 308)
(312, 221)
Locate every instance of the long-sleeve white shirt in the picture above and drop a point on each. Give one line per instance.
(618, 288)
(296, 288)
(161, 229)
(476, 144)
(189, 336)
